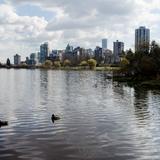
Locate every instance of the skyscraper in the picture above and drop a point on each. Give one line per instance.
(17, 59)
(44, 52)
(104, 44)
(98, 55)
(118, 48)
(142, 39)
(69, 49)
(33, 58)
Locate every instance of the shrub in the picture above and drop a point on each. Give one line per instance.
(124, 62)
(92, 63)
(57, 64)
(84, 63)
(67, 63)
(47, 64)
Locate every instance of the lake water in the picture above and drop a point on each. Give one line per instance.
(99, 119)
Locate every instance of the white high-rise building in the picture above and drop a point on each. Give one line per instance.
(104, 44)
(142, 39)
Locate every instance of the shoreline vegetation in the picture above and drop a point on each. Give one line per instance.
(76, 68)
(138, 83)
(139, 69)
(91, 64)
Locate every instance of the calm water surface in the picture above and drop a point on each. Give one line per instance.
(99, 119)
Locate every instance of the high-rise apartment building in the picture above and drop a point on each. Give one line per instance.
(44, 52)
(17, 59)
(118, 48)
(142, 39)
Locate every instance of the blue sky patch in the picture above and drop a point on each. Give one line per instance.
(32, 10)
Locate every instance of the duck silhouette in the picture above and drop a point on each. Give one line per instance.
(3, 123)
(55, 118)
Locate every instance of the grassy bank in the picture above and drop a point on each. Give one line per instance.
(107, 68)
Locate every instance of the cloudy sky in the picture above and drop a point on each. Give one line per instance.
(25, 24)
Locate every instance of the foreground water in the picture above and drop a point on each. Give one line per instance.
(99, 119)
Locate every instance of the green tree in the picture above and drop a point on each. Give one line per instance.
(147, 66)
(134, 62)
(155, 54)
(124, 62)
(130, 56)
(144, 63)
(123, 54)
(92, 63)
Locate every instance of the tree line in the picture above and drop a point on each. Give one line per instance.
(143, 63)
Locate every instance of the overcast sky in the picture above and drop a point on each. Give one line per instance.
(25, 24)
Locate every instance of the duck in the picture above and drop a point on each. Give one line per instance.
(3, 123)
(55, 117)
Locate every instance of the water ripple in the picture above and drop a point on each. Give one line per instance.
(110, 121)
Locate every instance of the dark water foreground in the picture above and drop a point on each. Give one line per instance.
(99, 119)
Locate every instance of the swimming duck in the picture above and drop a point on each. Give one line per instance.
(55, 117)
(3, 123)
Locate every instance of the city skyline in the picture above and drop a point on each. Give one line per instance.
(142, 42)
(25, 25)
(142, 38)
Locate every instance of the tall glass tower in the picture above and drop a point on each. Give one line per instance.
(142, 39)
(44, 52)
(104, 44)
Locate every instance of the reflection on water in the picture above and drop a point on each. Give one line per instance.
(100, 119)
(141, 106)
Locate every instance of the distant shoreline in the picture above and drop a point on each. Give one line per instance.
(78, 68)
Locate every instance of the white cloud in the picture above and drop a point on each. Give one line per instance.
(82, 23)
(17, 31)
